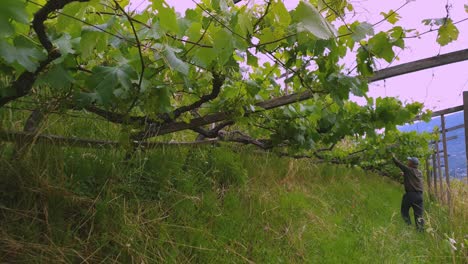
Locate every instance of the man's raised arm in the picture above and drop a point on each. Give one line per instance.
(400, 165)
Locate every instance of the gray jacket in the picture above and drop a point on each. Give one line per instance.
(413, 179)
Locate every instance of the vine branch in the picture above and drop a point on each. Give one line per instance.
(23, 85)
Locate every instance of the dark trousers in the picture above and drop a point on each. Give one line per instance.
(414, 200)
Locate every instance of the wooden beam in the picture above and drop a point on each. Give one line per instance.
(447, 139)
(434, 174)
(465, 109)
(454, 128)
(444, 112)
(419, 65)
(439, 173)
(428, 175)
(446, 163)
(448, 111)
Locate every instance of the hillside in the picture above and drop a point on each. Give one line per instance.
(455, 147)
(207, 205)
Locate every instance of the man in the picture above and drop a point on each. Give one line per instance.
(413, 197)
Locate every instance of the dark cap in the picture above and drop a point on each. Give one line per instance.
(414, 160)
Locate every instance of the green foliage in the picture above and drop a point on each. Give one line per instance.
(21, 54)
(111, 80)
(104, 53)
(381, 47)
(447, 31)
(361, 30)
(166, 15)
(12, 10)
(374, 153)
(311, 21)
(392, 17)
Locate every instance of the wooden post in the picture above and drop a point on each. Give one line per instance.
(465, 114)
(434, 171)
(428, 176)
(446, 167)
(439, 172)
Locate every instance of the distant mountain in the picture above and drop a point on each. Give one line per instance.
(455, 147)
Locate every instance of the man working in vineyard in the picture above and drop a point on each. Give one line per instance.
(413, 197)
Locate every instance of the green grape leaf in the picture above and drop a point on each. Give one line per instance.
(280, 14)
(65, 21)
(167, 16)
(223, 45)
(252, 60)
(174, 62)
(193, 15)
(398, 34)
(105, 79)
(392, 17)
(364, 61)
(220, 5)
(244, 24)
(155, 31)
(194, 32)
(92, 41)
(309, 19)
(381, 46)
(64, 45)
(434, 21)
(252, 87)
(7, 51)
(23, 51)
(448, 32)
(345, 37)
(341, 85)
(12, 10)
(204, 57)
(56, 77)
(268, 35)
(361, 30)
(163, 99)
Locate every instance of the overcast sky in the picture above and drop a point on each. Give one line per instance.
(437, 88)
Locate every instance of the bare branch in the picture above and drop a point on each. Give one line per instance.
(161, 129)
(218, 81)
(121, 118)
(189, 42)
(213, 133)
(240, 137)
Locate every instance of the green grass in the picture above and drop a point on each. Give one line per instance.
(207, 205)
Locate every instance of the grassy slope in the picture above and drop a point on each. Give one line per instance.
(206, 205)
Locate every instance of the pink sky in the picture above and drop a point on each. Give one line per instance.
(437, 88)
